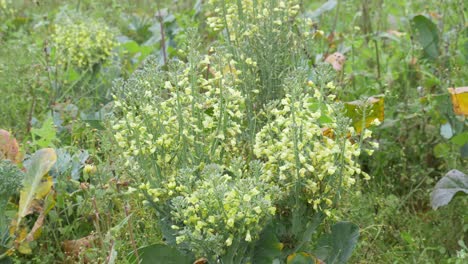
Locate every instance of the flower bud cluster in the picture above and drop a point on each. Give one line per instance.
(246, 17)
(82, 42)
(212, 210)
(196, 117)
(295, 150)
(6, 7)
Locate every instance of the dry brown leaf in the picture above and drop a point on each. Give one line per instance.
(9, 148)
(337, 60)
(395, 33)
(201, 261)
(435, 15)
(74, 248)
(36, 230)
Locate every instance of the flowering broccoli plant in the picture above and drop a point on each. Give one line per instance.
(241, 159)
(82, 42)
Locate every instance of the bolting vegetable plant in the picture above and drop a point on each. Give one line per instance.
(243, 148)
(81, 42)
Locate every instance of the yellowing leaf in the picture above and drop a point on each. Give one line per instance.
(34, 184)
(303, 258)
(44, 187)
(23, 238)
(363, 113)
(459, 98)
(36, 187)
(328, 132)
(23, 248)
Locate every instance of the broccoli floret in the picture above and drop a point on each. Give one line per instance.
(10, 180)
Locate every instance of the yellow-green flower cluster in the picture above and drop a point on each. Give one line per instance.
(296, 151)
(260, 37)
(247, 17)
(82, 42)
(4, 4)
(213, 210)
(186, 118)
(6, 7)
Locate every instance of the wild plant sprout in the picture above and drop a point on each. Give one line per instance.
(82, 42)
(231, 144)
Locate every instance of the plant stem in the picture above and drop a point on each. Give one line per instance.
(163, 38)
(130, 232)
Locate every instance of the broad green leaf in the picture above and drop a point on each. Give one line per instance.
(69, 161)
(338, 246)
(131, 46)
(134, 48)
(161, 254)
(302, 258)
(428, 36)
(363, 113)
(460, 139)
(46, 135)
(72, 75)
(453, 182)
(267, 248)
(35, 186)
(459, 98)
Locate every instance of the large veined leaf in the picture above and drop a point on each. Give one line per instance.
(428, 36)
(35, 185)
(34, 197)
(459, 98)
(452, 183)
(161, 254)
(460, 139)
(268, 247)
(338, 246)
(303, 258)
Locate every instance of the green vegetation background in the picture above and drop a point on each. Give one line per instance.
(384, 56)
